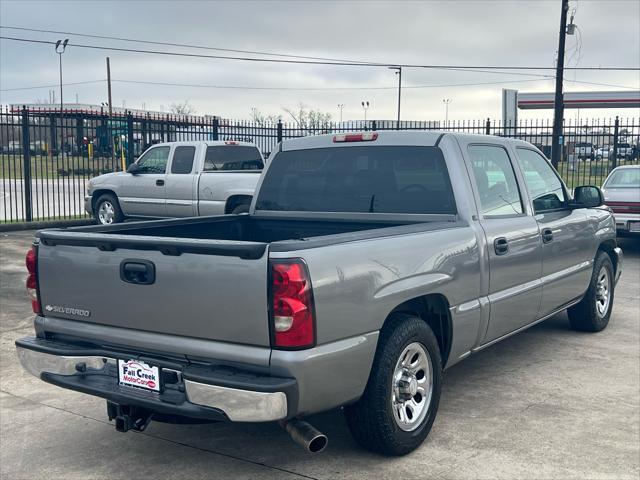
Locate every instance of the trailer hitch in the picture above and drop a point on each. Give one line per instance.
(128, 417)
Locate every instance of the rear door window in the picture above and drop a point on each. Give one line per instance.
(232, 158)
(182, 161)
(389, 179)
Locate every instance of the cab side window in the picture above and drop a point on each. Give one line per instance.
(544, 186)
(154, 160)
(183, 159)
(496, 180)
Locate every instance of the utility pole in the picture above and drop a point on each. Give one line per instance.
(399, 73)
(558, 107)
(113, 154)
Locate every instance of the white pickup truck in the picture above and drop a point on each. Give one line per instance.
(178, 179)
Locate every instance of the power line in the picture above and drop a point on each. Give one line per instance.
(341, 88)
(313, 62)
(183, 45)
(50, 86)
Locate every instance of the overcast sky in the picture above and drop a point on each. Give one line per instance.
(470, 32)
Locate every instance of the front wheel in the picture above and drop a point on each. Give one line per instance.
(594, 310)
(107, 210)
(400, 402)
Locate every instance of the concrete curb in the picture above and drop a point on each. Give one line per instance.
(9, 227)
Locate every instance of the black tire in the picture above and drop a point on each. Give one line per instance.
(108, 199)
(587, 316)
(242, 208)
(371, 419)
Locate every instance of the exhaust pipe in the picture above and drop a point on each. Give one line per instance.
(305, 435)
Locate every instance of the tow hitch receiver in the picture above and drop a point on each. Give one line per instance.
(128, 417)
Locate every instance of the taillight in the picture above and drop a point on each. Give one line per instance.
(355, 137)
(32, 279)
(292, 307)
(624, 207)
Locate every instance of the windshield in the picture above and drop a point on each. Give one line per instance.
(372, 179)
(624, 178)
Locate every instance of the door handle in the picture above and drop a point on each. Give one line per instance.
(139, 272)
(501, 246)
(159, 183)
(547, 235)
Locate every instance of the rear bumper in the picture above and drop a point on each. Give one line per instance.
(624, 220)
(193, 391)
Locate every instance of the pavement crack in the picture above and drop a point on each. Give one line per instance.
(174, 442)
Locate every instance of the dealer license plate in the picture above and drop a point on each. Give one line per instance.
(134, 373)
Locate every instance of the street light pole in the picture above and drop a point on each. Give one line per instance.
(558, 106)
(365, 106)
(399, 73)
(60, 48)
(341, 106)
(446, 102)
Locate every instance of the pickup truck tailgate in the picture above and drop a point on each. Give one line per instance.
(209, 290)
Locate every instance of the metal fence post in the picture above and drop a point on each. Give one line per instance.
(279, 130)
(130, 151)
(616, 132)
(215, 125)
(26, 165)
(374, 125)
(488, 127)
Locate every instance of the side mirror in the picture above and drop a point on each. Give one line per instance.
(588, 196)
(133, 168)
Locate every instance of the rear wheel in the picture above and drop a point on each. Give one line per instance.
(400, 402)
(107, 210)
(594, 310)
(242, 208)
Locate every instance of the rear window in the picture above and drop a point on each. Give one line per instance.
(624, 178)
(232, 157)
(392, 179)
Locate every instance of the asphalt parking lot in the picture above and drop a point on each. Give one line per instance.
(547, 403)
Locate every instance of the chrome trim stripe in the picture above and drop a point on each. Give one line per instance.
(239, 405)
(513, 291)
(552, 277)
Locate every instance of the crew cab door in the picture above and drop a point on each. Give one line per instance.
(143, 193)
(566, 233)
(180, 191)
(513, 240)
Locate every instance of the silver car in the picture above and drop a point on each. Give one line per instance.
(622, 193)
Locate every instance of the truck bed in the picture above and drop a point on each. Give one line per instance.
(83, 277)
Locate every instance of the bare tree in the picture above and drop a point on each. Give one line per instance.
(183, 108)
(262, 120)
(308, 119)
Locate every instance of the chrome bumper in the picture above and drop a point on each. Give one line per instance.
(238, 405)
(88, 207)
(619, 263)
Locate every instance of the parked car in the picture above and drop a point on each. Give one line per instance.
(584, 150)
(603, 152)
(178, 179)
(369, 262)
(621, 192)
(625, 151)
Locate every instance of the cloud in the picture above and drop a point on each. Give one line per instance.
(507, 32)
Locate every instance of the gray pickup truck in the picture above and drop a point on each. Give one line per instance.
(178, 179)
(369, 263)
